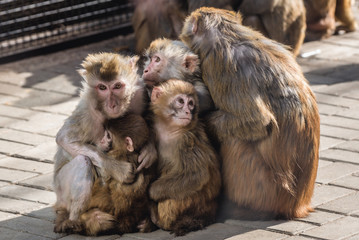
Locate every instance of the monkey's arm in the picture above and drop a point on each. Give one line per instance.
(205, 101)
(121, 171)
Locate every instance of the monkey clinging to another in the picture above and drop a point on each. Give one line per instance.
(188, 168)
(115, 206)
(266, 120)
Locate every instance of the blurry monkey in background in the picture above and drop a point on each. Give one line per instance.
(322, 16)
(189, 177)
(266, 120)
(282, 20)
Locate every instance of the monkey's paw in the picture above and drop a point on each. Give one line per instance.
(146, 226)
(123, 172)
(68, 226)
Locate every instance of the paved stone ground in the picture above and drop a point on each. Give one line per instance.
(39, 93)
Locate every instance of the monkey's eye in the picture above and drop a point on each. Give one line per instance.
(117, 86)
(157, 59)
(191, 104)
(181, 101)
(101, 87)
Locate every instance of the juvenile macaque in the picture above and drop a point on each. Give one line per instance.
(267, 119)
(283, 21)
(321, 17)
(111, 89)
(168, 59)
(188, 168)
(115, 206)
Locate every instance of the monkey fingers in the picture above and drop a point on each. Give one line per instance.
(147, 156)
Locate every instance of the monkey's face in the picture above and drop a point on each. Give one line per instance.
(112, 100)
(181, 109)
(155, 66)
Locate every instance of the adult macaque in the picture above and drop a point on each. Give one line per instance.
(283, 21)
(111, 89)
(189, 176)
(267, 119)
(168, 59)
(115, 206)
(321, 16)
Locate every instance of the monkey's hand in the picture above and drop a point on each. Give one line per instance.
(147, 156)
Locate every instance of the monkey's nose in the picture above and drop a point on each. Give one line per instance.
(146, 71)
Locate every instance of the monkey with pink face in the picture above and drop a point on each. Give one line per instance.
(112, 88)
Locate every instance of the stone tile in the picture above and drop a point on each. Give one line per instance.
(341, 89)
(340, 122)
(30, 225)
(41, 123)
(26, 165)
(6, 121)
(47, 213)
(258, 235)
(20, 192)
(354, 237)
(3, 184)
(299, 238)
(344, 227)
(12, 147)
(7, 99)
(329, 109)
(324, 193)
(320, 218)
(6, 216)
(345, 205)
(18, 206)
(349, 113)
(44, 182)
(352, 145)
(323, 163)
(336, 100)
(14, 175)
(42, 152)
(335, 171)
(12, 77)
(215, 231)
(65, 108)
(316, 80)
(106, 237)
(23, 137)
(59, 83)
(16, 112)
(340, 155)
(158, 235)
(19, 235)
(351, 181)
(328, 142)
(338, 132)
(292, 227)
(342, 40)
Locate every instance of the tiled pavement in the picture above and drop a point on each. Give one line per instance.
(37, 94)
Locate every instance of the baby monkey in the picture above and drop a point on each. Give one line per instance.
(117, 207)
(188, 168)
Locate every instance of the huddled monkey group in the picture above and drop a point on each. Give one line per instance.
(153, 145)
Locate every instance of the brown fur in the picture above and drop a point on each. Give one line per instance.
(283, 21)
(115, 206)
(267, 119)
(78, 162)
(321, 17)
(189, 177)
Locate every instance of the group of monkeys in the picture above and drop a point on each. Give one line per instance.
(287, 21)
(229, 111)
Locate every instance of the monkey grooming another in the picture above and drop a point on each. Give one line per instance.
(111, 89)
(117, 207)
(266, 120)
(189, 177)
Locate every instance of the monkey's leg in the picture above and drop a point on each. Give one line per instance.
(95, 221)
(74, 182)
(343, 13)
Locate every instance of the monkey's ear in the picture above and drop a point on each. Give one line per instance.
(134, 61)
(129, 144)
(191, 63)
(156, 93)
(194, 22)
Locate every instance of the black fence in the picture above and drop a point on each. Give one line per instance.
(32, 24)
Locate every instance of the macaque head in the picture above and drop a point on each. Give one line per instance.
(111, 80)
(205, 21)
(129, 133)
(175, 102)
(168, 59)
